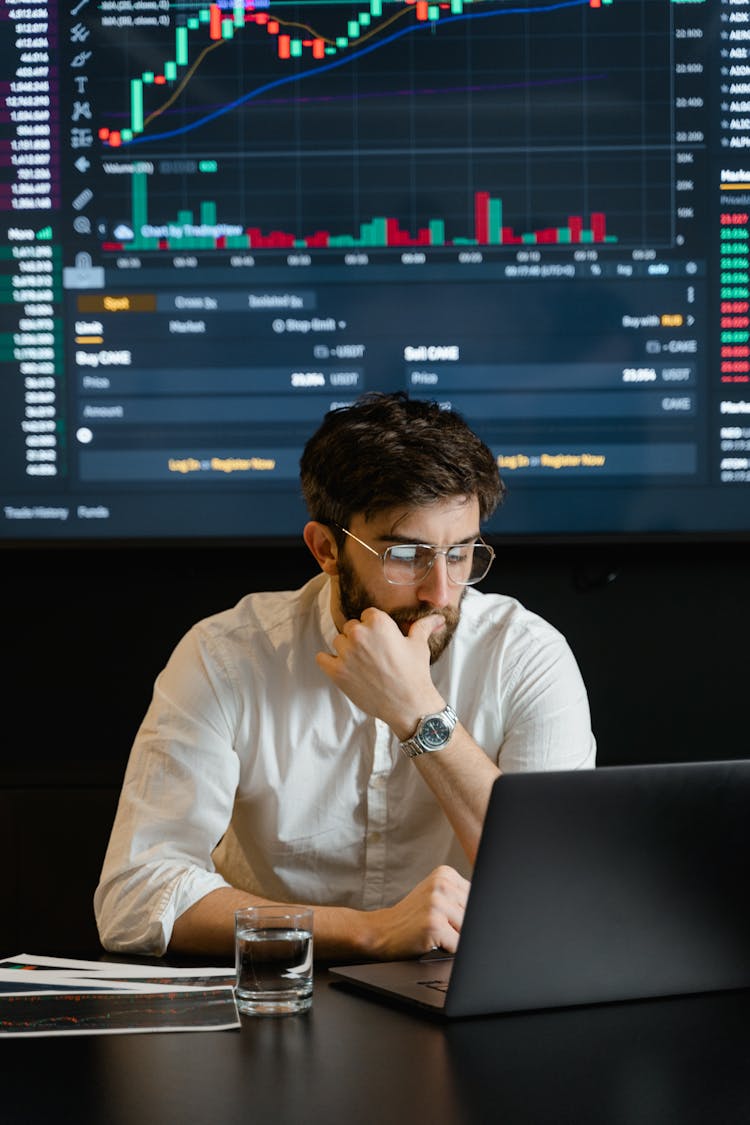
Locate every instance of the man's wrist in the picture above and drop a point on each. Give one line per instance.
(433, 732)
(406, 724)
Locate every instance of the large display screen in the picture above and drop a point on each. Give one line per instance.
(223, 219)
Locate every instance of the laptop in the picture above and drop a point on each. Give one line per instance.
(593, 886)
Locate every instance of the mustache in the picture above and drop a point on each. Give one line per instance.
(405, 618)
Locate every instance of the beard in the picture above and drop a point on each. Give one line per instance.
(354, 599)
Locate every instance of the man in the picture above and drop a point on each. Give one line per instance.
(336, 745)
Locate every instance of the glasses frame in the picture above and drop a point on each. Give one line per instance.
(435, 552)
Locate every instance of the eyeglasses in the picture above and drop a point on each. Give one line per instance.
(406, 564)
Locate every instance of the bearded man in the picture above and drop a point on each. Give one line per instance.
(335, 746)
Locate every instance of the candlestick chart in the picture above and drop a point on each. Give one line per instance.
(319, 126)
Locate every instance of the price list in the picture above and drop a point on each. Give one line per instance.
(30, 260)
(734, 241)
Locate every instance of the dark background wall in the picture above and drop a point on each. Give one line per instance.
(661, 632)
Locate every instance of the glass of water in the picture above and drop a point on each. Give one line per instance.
(273, 947)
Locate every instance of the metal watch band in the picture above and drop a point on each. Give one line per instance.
(413, 747)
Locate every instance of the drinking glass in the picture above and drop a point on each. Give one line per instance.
(273, 948)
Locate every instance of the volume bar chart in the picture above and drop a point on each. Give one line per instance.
(380, 232)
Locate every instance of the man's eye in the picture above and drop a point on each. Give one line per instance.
(403, 554)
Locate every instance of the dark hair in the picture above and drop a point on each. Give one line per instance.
(386, 451)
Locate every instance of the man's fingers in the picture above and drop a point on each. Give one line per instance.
(424, 627)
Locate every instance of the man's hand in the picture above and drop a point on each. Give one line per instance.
(383, 672)
(430, 915)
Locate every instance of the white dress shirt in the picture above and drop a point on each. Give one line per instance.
(251, 769)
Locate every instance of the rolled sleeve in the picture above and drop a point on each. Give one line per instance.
(175, 805)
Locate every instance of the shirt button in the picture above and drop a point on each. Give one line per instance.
(378, 782)
(375, 837)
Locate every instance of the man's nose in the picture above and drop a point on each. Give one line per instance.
(435, 588)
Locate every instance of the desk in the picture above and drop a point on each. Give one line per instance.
(351, 1059)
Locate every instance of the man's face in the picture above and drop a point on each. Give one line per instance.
(361, 582)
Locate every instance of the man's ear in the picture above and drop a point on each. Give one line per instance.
(322, 545)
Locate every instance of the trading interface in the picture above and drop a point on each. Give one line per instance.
(224, 219)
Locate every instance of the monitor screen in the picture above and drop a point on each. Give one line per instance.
(224, 219)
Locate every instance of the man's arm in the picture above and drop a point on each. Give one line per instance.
(429, 915)
(461, 776)
(387, 674)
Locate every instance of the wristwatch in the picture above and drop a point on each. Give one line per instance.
(433, 733)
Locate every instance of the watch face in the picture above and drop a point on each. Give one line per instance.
(434, 732)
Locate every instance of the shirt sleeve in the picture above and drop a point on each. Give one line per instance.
(175, 804)
(547, 716)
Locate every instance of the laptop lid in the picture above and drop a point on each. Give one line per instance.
(618, 883)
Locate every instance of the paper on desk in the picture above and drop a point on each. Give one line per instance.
(27, 972)
(112, 969)
(16, 982)
(54, 996)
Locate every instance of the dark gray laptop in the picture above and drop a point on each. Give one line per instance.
(619, 883)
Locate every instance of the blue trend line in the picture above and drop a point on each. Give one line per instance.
(345, 60)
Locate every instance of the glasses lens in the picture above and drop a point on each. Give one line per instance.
(408, 563)
(468, 564)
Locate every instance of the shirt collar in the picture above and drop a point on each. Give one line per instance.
(327, 626)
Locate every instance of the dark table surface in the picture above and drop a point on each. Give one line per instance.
(353, 1059)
